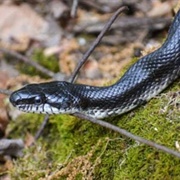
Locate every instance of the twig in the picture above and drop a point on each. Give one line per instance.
(127, 23)
(96, 42)
(43, 124)
(28, 61)
(128, 134)
(74, 8)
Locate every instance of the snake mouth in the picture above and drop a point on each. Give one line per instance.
(40, 109)
(25, 108)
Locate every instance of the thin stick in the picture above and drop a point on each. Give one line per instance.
(40, 130)
(28, 61)
(128, 134)
(74, 8)
(96, 42)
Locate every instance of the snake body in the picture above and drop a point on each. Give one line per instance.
(143, 80)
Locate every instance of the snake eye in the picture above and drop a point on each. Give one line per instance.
(38, 100)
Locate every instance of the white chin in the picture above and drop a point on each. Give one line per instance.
(39, 109)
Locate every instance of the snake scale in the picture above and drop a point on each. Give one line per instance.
(143, 80)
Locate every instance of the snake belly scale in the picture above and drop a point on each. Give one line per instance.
(145, 79)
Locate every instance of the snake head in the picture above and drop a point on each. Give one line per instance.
(49, 98)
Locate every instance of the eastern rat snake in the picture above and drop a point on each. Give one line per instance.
(142, 81)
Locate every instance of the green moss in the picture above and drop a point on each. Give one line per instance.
(25, 123)
(157, 121)
(49, 62)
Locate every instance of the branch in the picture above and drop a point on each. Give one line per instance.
(74, 8)
(28, 61)
(42, 126)
(128, 134)
(96, 42)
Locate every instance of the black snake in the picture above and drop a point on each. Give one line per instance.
(142, 81)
